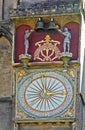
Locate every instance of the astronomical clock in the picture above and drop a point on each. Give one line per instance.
(46, 94)
(46, 72)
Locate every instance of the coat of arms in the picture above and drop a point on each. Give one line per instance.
(47, 50)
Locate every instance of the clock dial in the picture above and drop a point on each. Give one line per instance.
(45, 94)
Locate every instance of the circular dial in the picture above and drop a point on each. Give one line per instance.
(45, 94)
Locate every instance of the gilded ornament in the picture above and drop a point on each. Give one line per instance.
(47, 50)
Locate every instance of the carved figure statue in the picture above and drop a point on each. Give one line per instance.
(26, 40)
(67, 39)
(66, 42)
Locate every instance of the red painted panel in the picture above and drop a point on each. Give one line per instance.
(74, 29)
(36, 36)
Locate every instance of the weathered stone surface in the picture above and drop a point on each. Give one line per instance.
(5, 68)
(83, 118)
(43, 127)
(5, 115)
(1, 10)
(5, 6)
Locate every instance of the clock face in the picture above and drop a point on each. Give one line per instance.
(46, 94)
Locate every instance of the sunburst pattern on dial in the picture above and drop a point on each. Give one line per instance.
(45, 94)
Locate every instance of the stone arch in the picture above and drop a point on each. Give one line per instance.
(6, 33)
(5, 67)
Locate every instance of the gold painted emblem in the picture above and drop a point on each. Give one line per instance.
(21, 73)
(47, 50)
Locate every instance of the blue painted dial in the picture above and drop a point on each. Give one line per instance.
(45, 94)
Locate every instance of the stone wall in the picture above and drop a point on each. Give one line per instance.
(0, 9)
(7, 5)
(84, 117)
(5, 68)
(5, 84)
(5, 114)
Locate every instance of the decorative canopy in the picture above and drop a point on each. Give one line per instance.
(37, 7)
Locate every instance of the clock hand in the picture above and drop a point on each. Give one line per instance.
(56, 93)
(44, 88)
